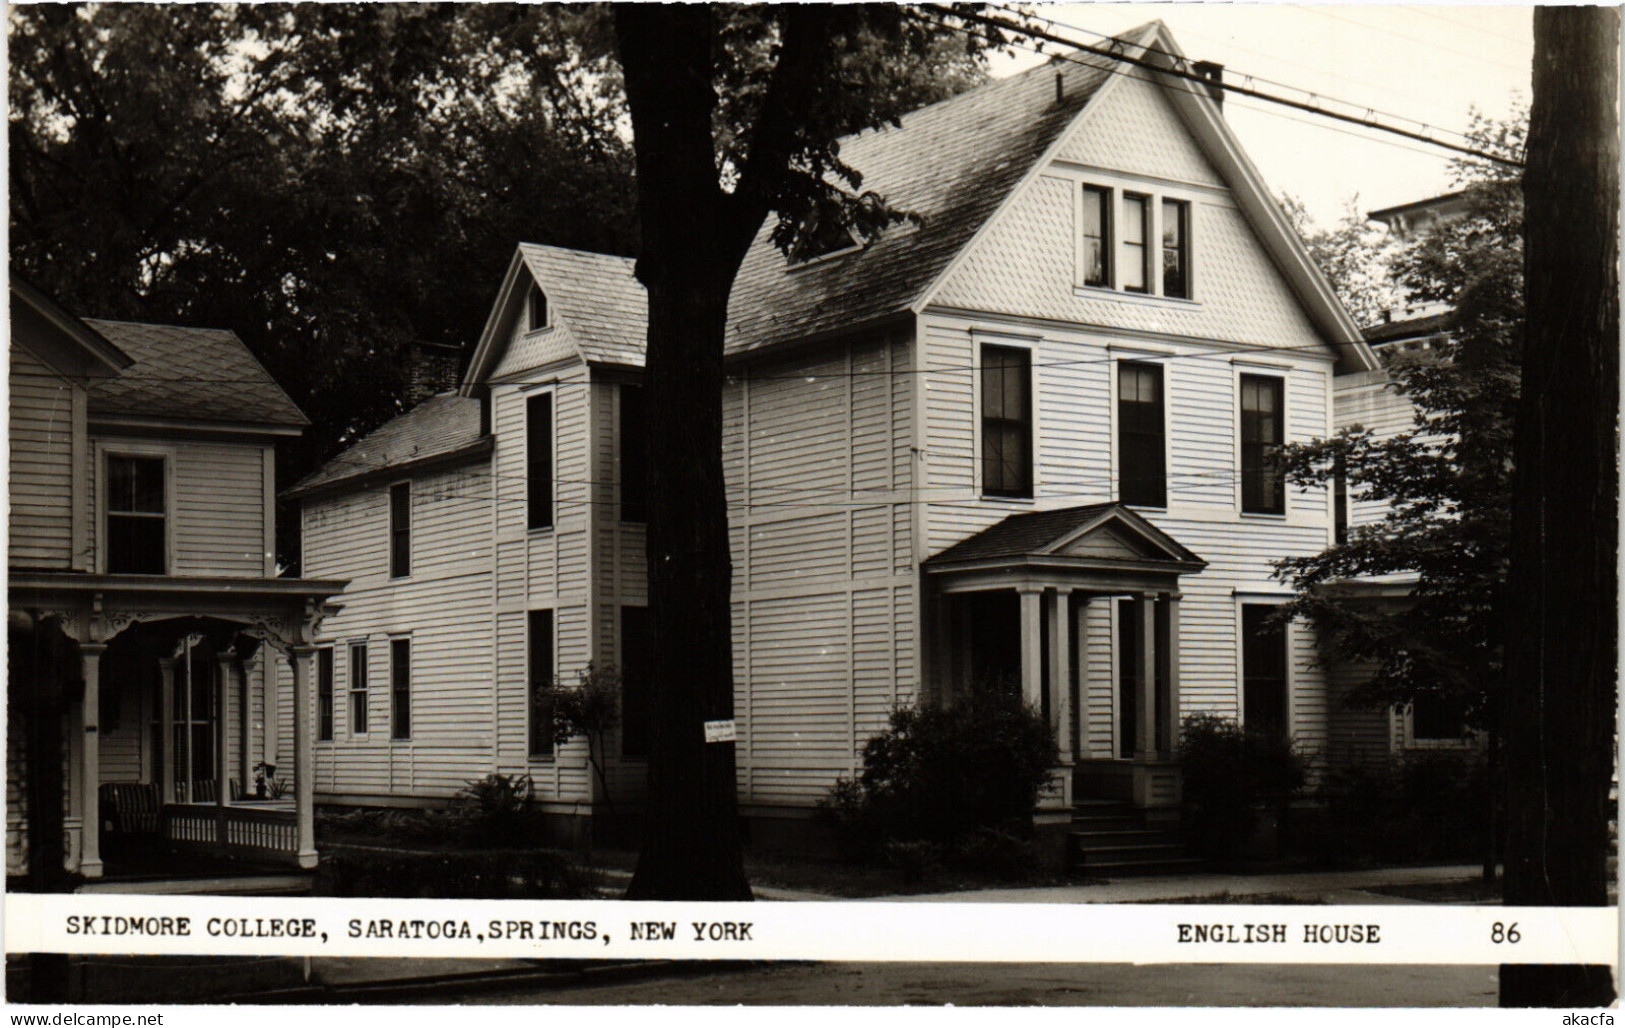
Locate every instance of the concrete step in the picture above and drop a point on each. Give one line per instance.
(1106, 823)
(1127, 868)
(1154, 851)
(1092, 840)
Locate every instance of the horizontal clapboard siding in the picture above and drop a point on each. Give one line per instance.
(818, 452)
(1371, 400)
(41, 470)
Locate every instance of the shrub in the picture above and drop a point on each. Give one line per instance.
(1231, 776)
(591, 708)
(494, 810)
(1426, 805)
(493, 874)
(938, 774)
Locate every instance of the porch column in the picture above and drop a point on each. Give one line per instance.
(1060, 675)
(1145, 696)
(304, 764)
(1168, 604)
(222, 734)
(90, 756)
(271, 692)
(245, 710)
(1082, 616)
(1032, 645)
(166, 721)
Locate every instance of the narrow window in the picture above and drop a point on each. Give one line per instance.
(1096, 236)
(1007, 468)
(535, 308)
(635, 665)
(358, 689)
(135, 516)
(539, 459)
(1140, 448)
(1176, 258)
(540, 631)
(1135, 272)
(400, 530)
(1263, 488)
(400, 688)
(1340, 503)
(634, 459)
(1263, 670)
(324, 694)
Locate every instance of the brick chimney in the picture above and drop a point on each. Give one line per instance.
(1214, 73)
(431, 368)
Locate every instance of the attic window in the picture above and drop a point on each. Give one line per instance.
(536, 308)
(822, 238)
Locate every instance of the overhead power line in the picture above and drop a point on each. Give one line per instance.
(1176, 70)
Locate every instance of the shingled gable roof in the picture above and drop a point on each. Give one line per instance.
(1050, 532)
(594, 297)
(440, 429)
(195, 374)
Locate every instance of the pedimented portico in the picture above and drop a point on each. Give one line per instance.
(1013, 600)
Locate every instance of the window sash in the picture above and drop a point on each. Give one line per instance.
(1142, 476)
(539, 730)
(1265, 706)
(634, 457)
(400, 530)
(358, 689)
(1006, 421)
(539, 460)
(1176, 249)
(1096, 236)
(324, 694)
(400, 688)
(1263, 487)
(1136, 271)
(137, 530)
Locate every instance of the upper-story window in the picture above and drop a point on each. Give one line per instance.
(535, 308)
(400, 530)
(539, 460)
(1007, 422)
(1263, 487)
(1135, 242)
(137, 537)
(634, 455)
(1140, 449)
(1176, 257)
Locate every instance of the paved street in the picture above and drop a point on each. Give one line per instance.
(788, 984)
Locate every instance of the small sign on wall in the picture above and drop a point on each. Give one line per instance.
(721, 731)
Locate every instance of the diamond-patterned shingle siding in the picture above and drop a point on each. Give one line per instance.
(205, 374)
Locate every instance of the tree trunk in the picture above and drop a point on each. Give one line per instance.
(687, 262)
(1561, 642)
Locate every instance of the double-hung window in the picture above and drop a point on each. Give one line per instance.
(539, 460)
(324, 694)
(1096, 238)
(1176, 257)
(1263, 670)
(400, 688)
(1007, 430)
(535, 309)
(137, 536)
(400, 530)
(1136, 263)
(1141, 478)
(1134, 242)
(539, 628)
(358, 688)
(1263, 487)
(634, 459)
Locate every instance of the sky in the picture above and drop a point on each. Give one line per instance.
(1428, 64)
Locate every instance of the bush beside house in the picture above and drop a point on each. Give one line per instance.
(1238, 786)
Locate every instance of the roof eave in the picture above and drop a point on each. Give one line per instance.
(204, 426)
(100, 349)
(372, 476)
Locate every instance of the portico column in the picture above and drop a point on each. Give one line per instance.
(90, 828)
(304, 764)
(1032, 645)
(1060, 675)
(222, 734)
(166, 722)
(1145, 697)
(1169, 604)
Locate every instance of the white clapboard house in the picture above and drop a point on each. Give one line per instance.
(1025, 433)
(145, 608)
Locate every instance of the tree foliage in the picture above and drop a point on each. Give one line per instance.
(1445, 481)
(1353, 256)
(328, 181)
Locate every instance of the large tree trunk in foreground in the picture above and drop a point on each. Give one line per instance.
(1562, 642)
(687, 263)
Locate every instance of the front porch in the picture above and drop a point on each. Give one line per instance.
(1028, 599)
(159, 695)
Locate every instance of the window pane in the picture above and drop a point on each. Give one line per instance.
(1263, 487)
(539, 459)
(1263, 669)
(135, 545)
(537, 304)
(1006, 421)
(635, 665)
(634, 456)
(1175, 249)
(1095, 233)
(1141, 477)
(135, 484)
(1134, 272)
(400, 681)
(400, 530)
(324, 694)
(541, 683)
(358, 690)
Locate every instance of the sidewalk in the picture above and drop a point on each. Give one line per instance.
(1197, 887)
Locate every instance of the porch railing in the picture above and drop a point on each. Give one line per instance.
(265, 833)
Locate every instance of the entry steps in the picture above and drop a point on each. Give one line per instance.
(1110, 838)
